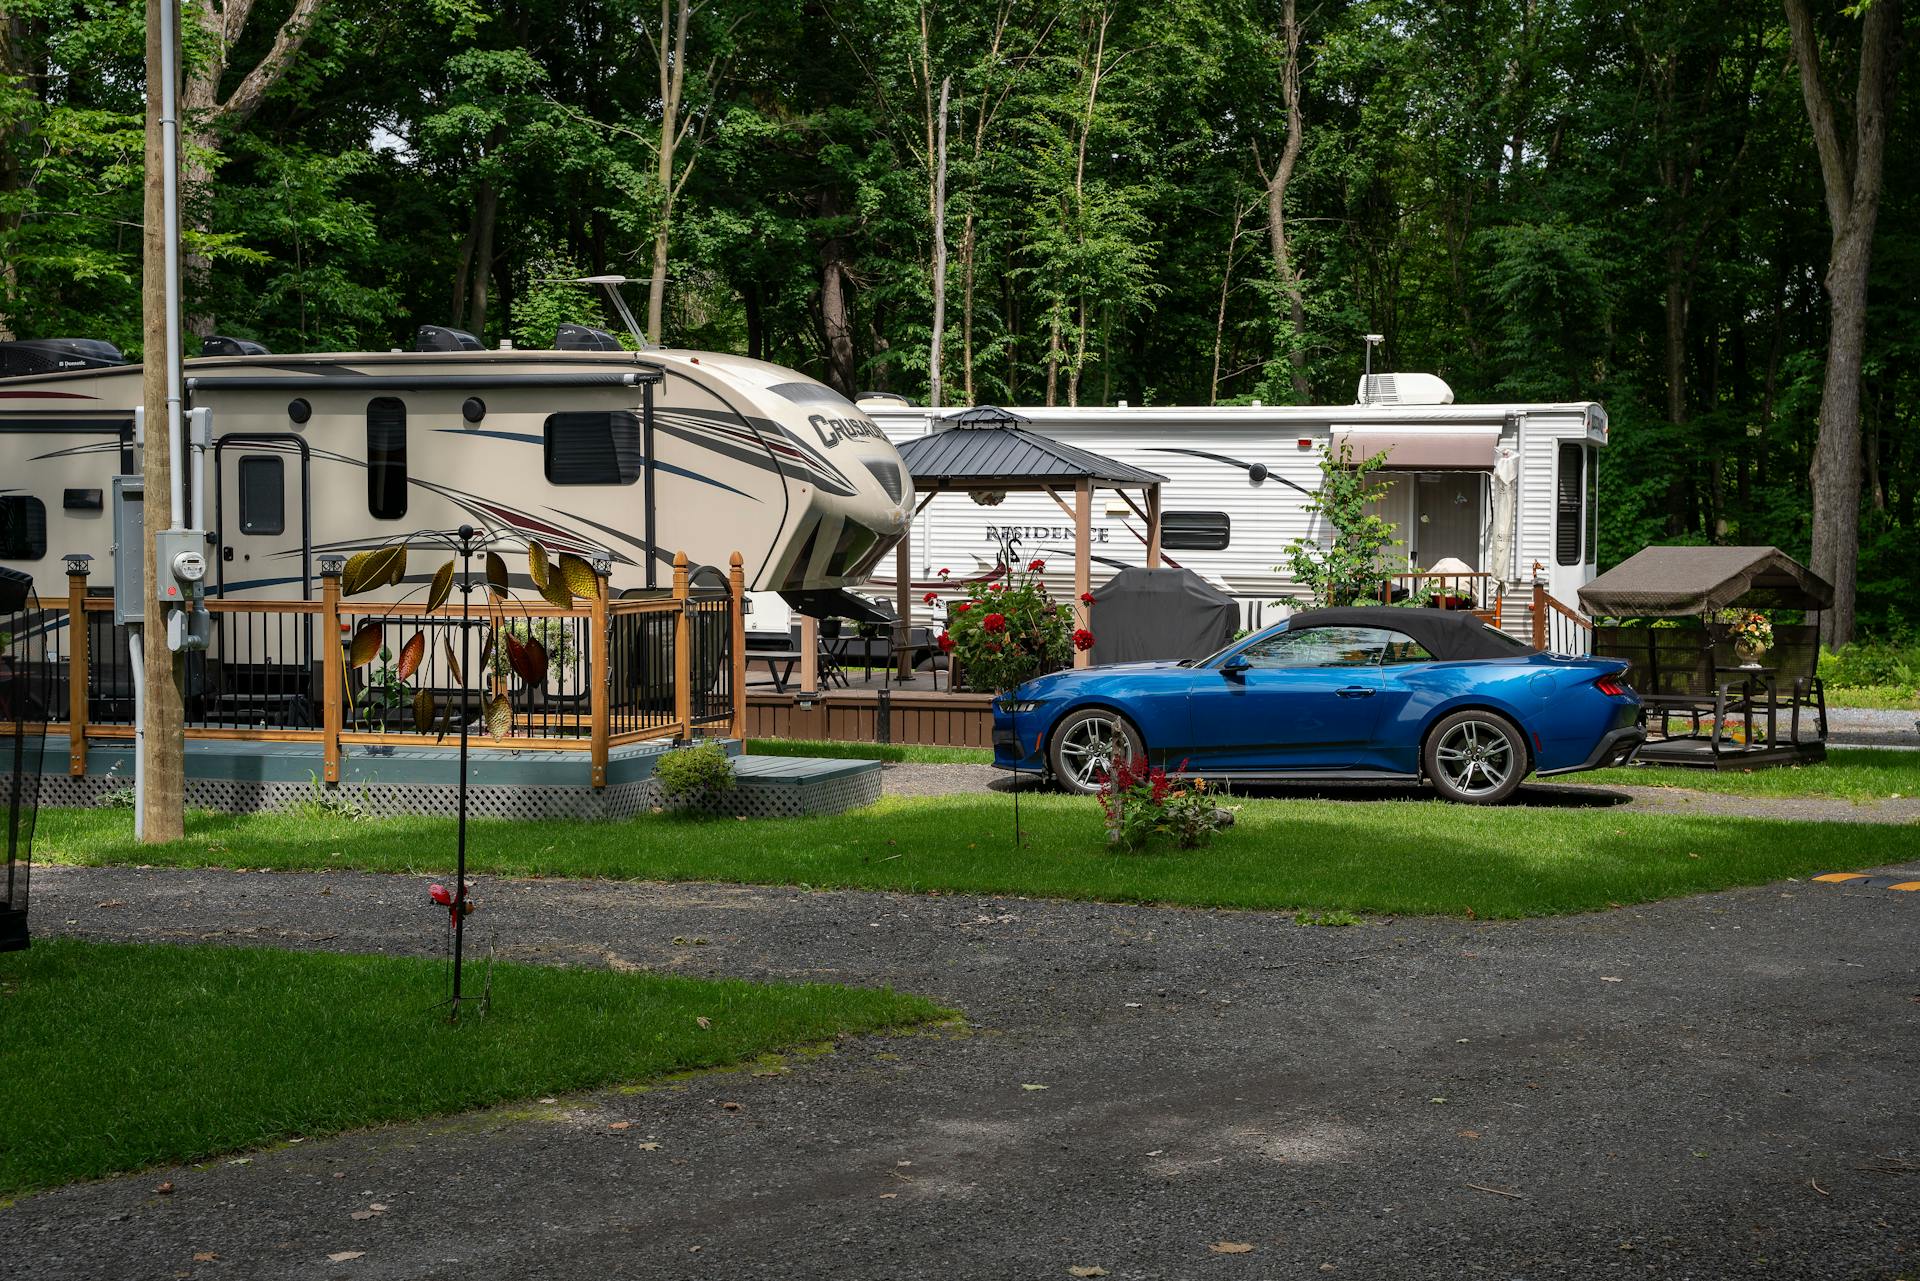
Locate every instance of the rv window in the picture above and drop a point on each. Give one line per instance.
(593, 449)
(23, 527)
(387, 457)
(263, 503)
(1567, 493)
(1593, 505)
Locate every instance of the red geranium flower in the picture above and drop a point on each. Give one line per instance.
(994, 622)
(1036, 565)
(1082, 638)
(993, 647)
(963, 606)
(929, 598)
(945, 572)
(1086, 598)
(996, 587)
(946, 643)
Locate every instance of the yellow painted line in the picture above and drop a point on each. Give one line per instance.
(1834, 878)
(1906, 885)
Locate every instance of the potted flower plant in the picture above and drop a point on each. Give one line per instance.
(1751, 633)
(1006, 632)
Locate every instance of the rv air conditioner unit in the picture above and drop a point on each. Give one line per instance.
(584, 338)
(223, 346)
(882, 400)
(441, 338)
(1404, 389)
(56, 356)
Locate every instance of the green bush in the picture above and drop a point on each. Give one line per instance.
(1895, 663)
(695, 774)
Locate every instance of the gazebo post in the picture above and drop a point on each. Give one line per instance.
(1153, 526)
(1082, 561)
(809, 655)
(903, 604)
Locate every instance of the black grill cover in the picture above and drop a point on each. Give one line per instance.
(1140, 615)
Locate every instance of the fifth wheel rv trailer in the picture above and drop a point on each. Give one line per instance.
(1497, 488)
(633, 454)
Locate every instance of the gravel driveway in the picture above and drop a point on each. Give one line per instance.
(1703, 1088)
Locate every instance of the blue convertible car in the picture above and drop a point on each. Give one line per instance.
(1363, 693)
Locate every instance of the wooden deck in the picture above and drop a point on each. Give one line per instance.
(873, 712)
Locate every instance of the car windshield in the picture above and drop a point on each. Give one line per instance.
(1218, 654)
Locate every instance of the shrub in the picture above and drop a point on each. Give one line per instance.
(700, 774)
(1143, 802)
(1865, 663)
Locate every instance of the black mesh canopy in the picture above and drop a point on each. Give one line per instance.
(26, 684)
(1446, 634)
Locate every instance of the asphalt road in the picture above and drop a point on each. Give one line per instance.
(1713, 1087)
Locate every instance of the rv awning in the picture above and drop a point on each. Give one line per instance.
(1666, 582)
(1423, 448)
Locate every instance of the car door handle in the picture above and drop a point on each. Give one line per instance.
(1355, 691)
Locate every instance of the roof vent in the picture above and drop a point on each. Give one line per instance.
(584, 338)
(1404, 389)
(440, 338)
(222, 346)
(882, 400)
(56, 356)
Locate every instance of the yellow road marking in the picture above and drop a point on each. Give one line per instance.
(1836, 877)
(1906, 885)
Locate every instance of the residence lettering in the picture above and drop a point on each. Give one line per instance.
(1040, 533)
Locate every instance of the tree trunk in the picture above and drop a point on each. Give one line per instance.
(162, 741)
(13, 37)
(463, 274)
(836, 316)
(485, 214)
(1852, 177)
(756, 323)
(1053, 356)
(966, 308)
(1220, 316)
(935, 387)
(673, 79)
(1277, 202)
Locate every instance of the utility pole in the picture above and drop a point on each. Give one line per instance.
(161, 763)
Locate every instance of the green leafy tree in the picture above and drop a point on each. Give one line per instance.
(1348, 569)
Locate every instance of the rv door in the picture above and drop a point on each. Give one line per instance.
(265, 546)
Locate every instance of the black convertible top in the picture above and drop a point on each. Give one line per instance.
(1445, 633)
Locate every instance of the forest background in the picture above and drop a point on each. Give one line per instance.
(1182, 202)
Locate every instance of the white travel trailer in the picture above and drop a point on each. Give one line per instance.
(1497, 488)
(634, 454)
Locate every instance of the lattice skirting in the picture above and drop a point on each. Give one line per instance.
(749, 799)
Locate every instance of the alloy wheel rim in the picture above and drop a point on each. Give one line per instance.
(1475, 757)
(1087, 750)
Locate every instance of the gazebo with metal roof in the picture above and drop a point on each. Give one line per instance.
(989, 450)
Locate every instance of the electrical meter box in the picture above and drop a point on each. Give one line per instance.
(129, 550)
(180, 565)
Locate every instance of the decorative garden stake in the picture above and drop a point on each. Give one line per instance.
(558, 583)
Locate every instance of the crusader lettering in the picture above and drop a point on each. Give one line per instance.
(834, 430)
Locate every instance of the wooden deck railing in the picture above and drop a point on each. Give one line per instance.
(666, 665)
(1559, 628)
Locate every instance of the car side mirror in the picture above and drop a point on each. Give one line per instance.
(1235, 668)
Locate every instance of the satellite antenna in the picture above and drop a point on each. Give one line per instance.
(611, 284)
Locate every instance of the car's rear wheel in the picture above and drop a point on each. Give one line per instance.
(1476, 757)
(1087, 743)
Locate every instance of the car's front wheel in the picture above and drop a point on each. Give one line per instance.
(1476, 757)
(1087, 743)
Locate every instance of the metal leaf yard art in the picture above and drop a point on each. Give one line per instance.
(511, 649)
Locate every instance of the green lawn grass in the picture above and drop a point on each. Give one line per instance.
(119, 1056)
(1848, 774)
(1896, 698)
(1383, 857)
(915, 752)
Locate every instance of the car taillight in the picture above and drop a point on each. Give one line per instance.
(1612, 686)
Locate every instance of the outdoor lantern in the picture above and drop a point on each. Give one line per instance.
(26, 680)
